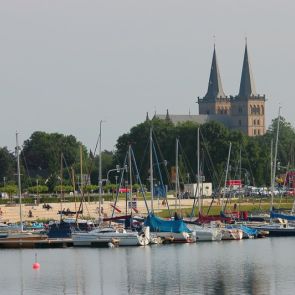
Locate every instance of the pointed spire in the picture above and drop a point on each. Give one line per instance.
(167, 116)
(147, 117)
(215, 89)
(247, 85)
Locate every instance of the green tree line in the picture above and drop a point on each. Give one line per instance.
(49, 158)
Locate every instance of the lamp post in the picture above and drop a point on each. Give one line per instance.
(118, 169)
(116, 177)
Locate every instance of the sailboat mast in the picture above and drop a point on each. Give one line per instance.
(240, 177)
(275, 159)
(199, 189)
(271, 170)
(81, 172)
(61, 184)
(19, 184)
(226, 173)
(130, 178)
(151, 170)
(177, 176)
(100, 172)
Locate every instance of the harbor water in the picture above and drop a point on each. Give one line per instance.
(263, 266)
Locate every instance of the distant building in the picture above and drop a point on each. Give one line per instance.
(244, 112)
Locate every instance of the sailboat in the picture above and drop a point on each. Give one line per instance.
(121, 236)
(279, 225)
(201, 232)
(19, 238)
(168, 230)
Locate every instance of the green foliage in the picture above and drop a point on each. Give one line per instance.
(10, 189)
(107, 164)
(90, 188)
(42, 152)
(38, 189)
(64, 188)
(214, 146)
(7, 165)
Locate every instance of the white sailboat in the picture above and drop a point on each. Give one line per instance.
(202, 233)
(110, 234)
(17, 237)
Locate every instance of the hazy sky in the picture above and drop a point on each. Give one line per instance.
(67, 64)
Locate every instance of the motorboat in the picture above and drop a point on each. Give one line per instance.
(231, 233)
(109, 234)
(202, 233)
(277, 228)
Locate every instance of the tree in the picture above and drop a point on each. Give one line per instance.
(42, 156)
(38, 189)
(106, 162)
(7, 165)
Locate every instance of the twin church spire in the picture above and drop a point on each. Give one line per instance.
(247, 85)
(215, 89)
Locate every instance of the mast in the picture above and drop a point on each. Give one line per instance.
(74, 187)
(177, 177)
(100, 172)
(130, 178)
(198, 156)
(240, 176)
(81, 172)
(226, 173)
(19, 184)
(275, 159)
(271, 169)
(151, 170)
(61, 183)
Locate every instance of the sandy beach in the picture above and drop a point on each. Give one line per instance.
(11, 213)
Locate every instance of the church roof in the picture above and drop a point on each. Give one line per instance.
(199, 119)
(247, 85)
(215, 89)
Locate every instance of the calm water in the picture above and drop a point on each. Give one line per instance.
(265, 266)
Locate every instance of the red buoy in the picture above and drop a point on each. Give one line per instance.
(36, 265)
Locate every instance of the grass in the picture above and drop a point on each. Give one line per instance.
(215, 210)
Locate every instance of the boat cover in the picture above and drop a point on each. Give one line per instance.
(247, 230)
(281, 215)
(158, 224)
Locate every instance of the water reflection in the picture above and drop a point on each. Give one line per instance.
(240, 267)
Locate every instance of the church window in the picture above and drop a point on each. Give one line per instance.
(258, 122)
(258, 131)
(254, 131)
(262, 110)
(254, 122)
(240, 123)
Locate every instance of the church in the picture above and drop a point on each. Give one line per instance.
(244, 111)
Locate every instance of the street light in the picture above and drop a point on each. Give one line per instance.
(118, 169)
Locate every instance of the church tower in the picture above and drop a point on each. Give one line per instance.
(248, 107)
(215, 102)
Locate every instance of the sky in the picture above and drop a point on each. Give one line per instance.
(67, 64)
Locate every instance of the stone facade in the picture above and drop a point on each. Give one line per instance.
(245, 111)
